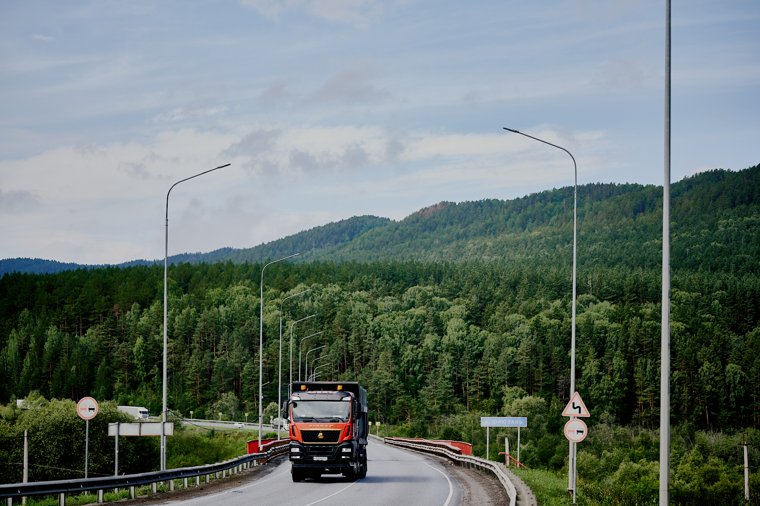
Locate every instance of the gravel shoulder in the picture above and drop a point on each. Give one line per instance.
(478, 487)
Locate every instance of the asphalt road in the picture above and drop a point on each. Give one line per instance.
(394, 477)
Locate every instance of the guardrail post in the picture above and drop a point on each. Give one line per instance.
(132, 493)
(171, 485)
(61, 499)
(185, 482)
(154, 487)
(100, 496)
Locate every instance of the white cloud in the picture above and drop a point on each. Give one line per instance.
(13, 202)
(105, 203)
(353, 12)
(42, 38)
(350, 86)
(180, 114)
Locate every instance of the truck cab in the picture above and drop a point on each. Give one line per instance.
(328, 429)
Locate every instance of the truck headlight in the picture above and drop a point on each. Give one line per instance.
(347, 449)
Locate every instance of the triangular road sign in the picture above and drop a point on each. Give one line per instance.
(576, 407)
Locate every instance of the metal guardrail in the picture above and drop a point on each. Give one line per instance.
(61, 488)
(228, 423)
(504, 476)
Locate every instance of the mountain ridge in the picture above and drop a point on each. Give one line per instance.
(537, 227)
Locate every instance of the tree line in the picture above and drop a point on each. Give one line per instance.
(427, 339)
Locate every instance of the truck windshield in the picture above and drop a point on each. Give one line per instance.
(321, 411)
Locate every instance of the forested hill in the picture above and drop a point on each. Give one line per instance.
(483, 330)
(715, 227)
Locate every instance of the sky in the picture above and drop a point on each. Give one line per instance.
(328, 109)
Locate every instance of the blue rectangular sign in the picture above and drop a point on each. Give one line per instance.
(503, 421)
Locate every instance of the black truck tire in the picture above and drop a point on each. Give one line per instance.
(297, 474)
(363, 466)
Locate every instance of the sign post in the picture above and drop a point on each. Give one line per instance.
(87, 409)
(575, 431)
(503, 421)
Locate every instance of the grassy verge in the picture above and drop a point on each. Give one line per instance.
(195, 446)
(190, 446)
(549, 487)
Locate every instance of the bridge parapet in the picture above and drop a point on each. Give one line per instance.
(518, 492)
(62, 488)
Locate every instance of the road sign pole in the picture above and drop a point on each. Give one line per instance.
(518, 446)
(87, 409)
(86, 445)
(116, 452)
(574, 470)
(488, 441)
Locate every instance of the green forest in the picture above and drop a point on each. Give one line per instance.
(458, 311)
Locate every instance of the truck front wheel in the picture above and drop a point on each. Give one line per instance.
(363, 466)
(297, 474)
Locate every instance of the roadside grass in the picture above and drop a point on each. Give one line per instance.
(549, 487)
(195, 446)
(190, 446)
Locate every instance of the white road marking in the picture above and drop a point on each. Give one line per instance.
(451, 487)
(334, 494)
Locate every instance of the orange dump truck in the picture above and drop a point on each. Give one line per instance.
(328, 429)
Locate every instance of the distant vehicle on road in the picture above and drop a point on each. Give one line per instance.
(137, 412)
(238, 425)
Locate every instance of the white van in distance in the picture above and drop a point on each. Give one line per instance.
(137, 412)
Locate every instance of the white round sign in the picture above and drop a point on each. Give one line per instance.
(576, 430)
(87, 408)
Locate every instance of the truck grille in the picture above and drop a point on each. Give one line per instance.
(320, 436)
(321, 451)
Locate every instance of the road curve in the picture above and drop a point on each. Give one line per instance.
(394, 476)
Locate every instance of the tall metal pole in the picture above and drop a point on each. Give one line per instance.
(164, 408)
(317, 369)
(306, 368)
(25, 477)
(571, 474)
(261, 341)
(279, 362)
(665, 322)
(746, 472)
(86, 447)
(300, 349)
(290, 385)
(314, 367)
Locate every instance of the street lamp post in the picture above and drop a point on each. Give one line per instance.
(315, 367)
(318, 368)
(664, 492)
(279, 362)
(164, 407)
(300, 350)
(261, 339)
(572, 471)
(290, 350)
(306, 368)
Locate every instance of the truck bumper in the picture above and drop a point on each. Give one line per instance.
(323, 458)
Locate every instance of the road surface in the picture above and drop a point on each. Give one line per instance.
(394, 476)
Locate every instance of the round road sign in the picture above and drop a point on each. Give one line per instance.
(87, 408)
(576, 430)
